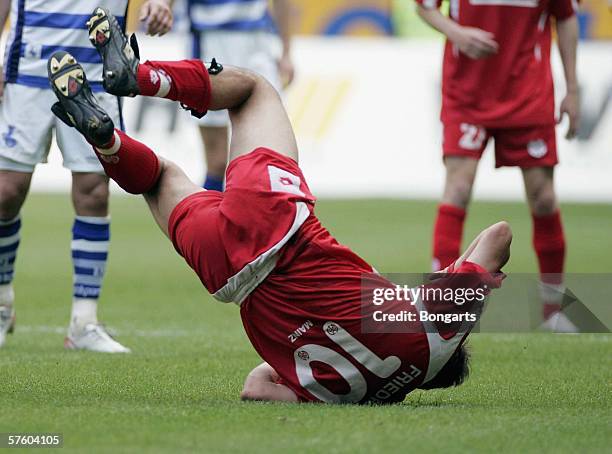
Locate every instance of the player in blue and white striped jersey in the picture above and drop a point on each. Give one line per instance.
(39, 28)
(244, 33)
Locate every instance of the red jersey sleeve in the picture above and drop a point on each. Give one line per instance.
(429, 4)
(562, 9)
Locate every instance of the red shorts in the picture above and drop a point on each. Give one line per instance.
(521, 147)
(232, 239)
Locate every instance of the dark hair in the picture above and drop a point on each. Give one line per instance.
(454, 372)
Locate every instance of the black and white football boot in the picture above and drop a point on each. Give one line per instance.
(77, 107)
(120, 55)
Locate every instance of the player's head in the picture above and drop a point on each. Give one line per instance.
(454, 372)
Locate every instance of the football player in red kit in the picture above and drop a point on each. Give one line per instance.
(497, 83)
(259, 244)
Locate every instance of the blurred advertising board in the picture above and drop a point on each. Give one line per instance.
(388, 17)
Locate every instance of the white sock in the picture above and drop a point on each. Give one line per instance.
(551, 293)
(7, 295)
(84, 311)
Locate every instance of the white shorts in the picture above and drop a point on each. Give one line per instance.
(26, 126)
(258, 51)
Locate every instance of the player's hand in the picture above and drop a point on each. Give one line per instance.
(474, 42)
(157, 14)
(286, 70)
(570, 106)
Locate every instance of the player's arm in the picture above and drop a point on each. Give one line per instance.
(282, 14)
(256, 111)
(567, 32)
(5, 8)
(157, 15)
(473, 42)
(261, 384)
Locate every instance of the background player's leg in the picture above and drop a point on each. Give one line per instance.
(14, 188)
(216, 150)
(450, 218)
(90, 243)
(548, 236)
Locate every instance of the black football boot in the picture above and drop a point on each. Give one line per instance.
(77, 107)
(119, 54)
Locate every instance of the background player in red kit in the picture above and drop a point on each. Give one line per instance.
(497, 83)
(259, 244)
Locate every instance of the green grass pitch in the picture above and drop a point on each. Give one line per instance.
(179, 390)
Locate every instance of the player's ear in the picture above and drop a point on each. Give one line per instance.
(454, 372)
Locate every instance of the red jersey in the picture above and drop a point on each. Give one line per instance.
(514, 87)
(260, 245)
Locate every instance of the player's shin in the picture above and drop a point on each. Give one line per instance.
(186, 81)
(9, 243)
(131, 164)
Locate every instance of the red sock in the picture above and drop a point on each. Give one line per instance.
(130, 163)
(186, 81)
(549, 245)
(448, 231)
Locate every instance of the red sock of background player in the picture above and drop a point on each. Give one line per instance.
(186, 81)
(133, 165)
(549, 245)
(448, 232)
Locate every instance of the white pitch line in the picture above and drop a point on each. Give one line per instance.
(495, 337)
(114, 332)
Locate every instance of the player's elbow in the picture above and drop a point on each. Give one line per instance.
(254, 386)
(247, 395)
(501, 233)
(253, 391)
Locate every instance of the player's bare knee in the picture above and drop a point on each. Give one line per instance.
(458, 192)
(90, 196)
(540, 191)
(544, 203)
(12, 195)
(252, 390)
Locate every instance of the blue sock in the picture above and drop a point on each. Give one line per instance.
(213, 183)
(90, 240)
(9, 242)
